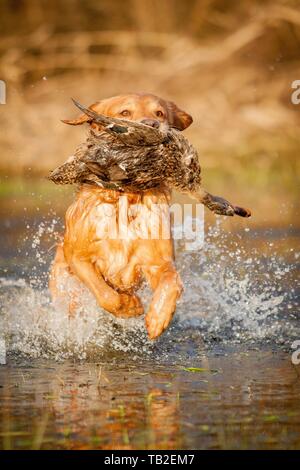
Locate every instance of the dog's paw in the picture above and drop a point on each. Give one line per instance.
(130, 306)
(156, 324)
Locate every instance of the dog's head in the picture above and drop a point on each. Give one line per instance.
(146, 108)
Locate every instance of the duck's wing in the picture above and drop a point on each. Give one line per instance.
(75, 171)
(92, 162)
(130, 133)
(70, 172)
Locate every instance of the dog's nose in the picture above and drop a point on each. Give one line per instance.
(151, 122)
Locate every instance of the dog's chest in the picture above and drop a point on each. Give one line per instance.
(131, 222)
(126, 237)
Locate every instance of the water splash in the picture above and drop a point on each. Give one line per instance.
(232, 296)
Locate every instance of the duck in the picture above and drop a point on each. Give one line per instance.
(125, 155)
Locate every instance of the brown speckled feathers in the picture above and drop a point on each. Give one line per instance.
(126, 155)
(130, 156)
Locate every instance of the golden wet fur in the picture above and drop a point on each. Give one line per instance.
(112, 268)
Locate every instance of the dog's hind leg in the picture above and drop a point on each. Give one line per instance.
(120, 305)
(167, 287)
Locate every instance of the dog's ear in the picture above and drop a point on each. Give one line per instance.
(83, 117)
(178, 118)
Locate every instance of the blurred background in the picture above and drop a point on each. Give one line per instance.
(229, 63)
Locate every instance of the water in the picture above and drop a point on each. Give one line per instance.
(94, 381)
(235, 293)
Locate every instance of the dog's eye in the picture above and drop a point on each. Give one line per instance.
(159, 113)
(125, 112)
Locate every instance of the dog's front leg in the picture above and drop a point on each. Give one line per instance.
(167, 287)
(120, 305)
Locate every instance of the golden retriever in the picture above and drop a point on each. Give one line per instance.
(112, 268)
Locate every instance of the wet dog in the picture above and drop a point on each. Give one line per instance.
(112, 268)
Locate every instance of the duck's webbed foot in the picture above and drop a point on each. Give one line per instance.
(221, 206)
